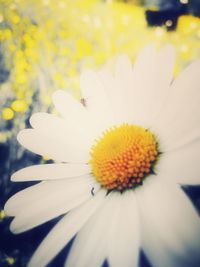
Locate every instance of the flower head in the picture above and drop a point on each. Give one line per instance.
(123, 157)
(120, 156)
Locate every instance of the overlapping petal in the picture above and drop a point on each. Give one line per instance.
(50, 172)
(178, 123)
(65, 229)
(90, 246)
(170, 223)
(182, 165)
(46, 201)
(76, 114)
(124, 238)
(151, 82)
(96, 100)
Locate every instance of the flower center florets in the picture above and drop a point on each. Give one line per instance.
(123, 157)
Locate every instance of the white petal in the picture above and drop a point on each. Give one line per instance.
(50, 172)
(182, 165)
(64, 230)
(124, 242)
(13, 204)
(124, 89)
(170, 223)
(90, 246)
(178, 122)
(52, 125)
(57, 148)
(45, 189)
(96, 101)
(109, 84)
(52, 199)
(151, 81)
(75, 113)
(119, 89)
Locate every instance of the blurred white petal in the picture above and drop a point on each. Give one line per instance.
(124, 242)
(123, 89)
(109, 84)
(50, 172)
(169, 221)
(96, 100)
(90, 246)
(52, 125)
(64, 230)
(53, 147)
(151, 81)
(178, 122)
(75, 113)
(182, 165)
(49, 200)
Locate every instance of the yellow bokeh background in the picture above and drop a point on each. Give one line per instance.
(46, 44)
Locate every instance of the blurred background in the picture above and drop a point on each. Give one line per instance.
(44, 45)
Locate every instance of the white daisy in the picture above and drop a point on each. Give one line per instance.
(121, 156)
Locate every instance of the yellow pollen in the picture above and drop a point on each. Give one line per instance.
(123, 157)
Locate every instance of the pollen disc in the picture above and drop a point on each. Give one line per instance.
(123, 156)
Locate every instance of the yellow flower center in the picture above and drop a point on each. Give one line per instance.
(123, 157)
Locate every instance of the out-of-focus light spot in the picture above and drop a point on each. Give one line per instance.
(86, 18)
(10, 260)
(64, 35)
(187, 24)
(2, 214)
(7, 34)
(1, 18)
(15, 19)
(21, 78)
(58, 77)
(153, 8)
(168, 23)
(71, 72)
(193, 25)
(83, 47)
(97, 22)
(110, 24)
(47, 100)
(125, 20)
(19, 105)
(8, 114)
(12, 6)
(12, 47)
(45, 2)
(46, 158)
(3, 138)
(159, 31)
(61, 4)
(184, 48)
(19, 53)
(198, 34)
(20, 93)
(65, 51)
(184, 1)
(185, 52)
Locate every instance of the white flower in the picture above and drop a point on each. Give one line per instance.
(100, 153)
